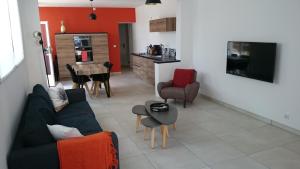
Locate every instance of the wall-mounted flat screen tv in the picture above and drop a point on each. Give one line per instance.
(254, 60)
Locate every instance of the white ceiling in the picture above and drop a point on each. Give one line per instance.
(97, 3)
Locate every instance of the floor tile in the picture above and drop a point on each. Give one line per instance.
(294, 146)
(278, 158)
(261, 139)
(240, 163)
(212, 150)
(136, 162)
(128, 148)
(175, 158)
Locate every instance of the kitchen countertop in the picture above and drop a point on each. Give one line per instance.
(157, 59)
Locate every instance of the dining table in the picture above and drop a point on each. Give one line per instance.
(88, 69)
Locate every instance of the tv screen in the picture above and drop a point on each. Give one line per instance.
(252, 60)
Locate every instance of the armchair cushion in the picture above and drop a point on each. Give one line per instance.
(183, 77)
(173, 93)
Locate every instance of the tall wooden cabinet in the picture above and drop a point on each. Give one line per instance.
(65, 49)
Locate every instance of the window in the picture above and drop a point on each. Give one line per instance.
(11, 44)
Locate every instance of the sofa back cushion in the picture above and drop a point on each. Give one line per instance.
(39, 90)
(183, 77)
(37, 116)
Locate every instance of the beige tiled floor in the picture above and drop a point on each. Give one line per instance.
(208, 135)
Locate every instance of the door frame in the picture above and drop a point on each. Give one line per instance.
(129, 42)
(51, 77)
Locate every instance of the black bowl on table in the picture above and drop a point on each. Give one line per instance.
(159, 107)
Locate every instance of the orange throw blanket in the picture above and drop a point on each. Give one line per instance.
(89, 152)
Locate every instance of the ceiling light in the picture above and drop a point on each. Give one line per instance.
(153, 2)
(92, 15)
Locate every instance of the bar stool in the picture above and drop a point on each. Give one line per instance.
(139, 110)
(149, 122)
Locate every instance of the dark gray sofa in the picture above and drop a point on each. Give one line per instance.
(34, 146)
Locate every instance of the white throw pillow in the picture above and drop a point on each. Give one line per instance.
(60, 132)
(59, 97)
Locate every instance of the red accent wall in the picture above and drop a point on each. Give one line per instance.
(76, 21)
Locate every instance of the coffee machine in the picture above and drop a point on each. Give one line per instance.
(155, 50)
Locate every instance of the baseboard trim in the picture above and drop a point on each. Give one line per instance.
(256, 116)
(116, 73)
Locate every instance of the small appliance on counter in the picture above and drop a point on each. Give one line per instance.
(160, 50)
(155, 50)
(172, 53)
(169, 53)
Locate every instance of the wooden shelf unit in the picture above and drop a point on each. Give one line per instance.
(65, 50)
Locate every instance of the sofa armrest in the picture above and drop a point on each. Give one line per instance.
(191, 91)
(40, 157)
(76, 95)
(162, 85)
(115, 141)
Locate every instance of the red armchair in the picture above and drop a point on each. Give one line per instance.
(183, 86)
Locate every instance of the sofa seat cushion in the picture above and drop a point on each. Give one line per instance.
(75, 109)
(84, 123)
(173, 93)
(183, 77)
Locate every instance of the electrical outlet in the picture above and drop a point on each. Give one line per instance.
(287, 116)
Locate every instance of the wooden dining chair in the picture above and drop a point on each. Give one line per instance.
(98, 79)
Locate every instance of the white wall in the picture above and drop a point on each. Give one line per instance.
(184, 35)
(15, 87)
(13, 92)
(218, 21)
(30, 19)
(141, 31)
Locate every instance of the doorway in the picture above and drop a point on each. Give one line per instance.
(47, 53)
(125, 32)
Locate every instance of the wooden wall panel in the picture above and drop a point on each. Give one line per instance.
(65, 53)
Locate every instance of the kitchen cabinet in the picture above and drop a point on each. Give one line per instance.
(163, 25)
(144, 69)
